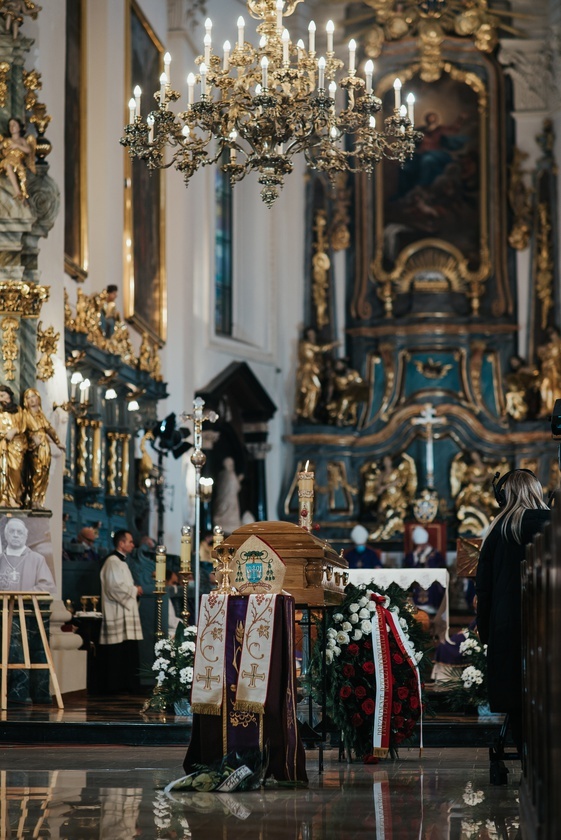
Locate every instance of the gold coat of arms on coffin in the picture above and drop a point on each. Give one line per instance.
(259, 569)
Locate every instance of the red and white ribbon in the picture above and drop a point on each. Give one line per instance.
(382, 621)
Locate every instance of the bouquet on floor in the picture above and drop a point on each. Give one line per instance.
(173, 667)
(470, 687)
(371, 622)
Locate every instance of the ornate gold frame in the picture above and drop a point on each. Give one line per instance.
(433, 252)
(79, 271)
(133, 317)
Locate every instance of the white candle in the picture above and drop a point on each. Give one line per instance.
(150, 121)
(185, 556)
(372, 122)
(312, 37)
(285, 46)
(332, 90)
(300, 47)
(330, 29)
(279, 6)
(163, 83)
(352, 54)
(233, 152)
(264, 67)
(137, 94)
(397, 91)
(186, 131)
(202, 71)
(369, 69)
(241, 24)
(132, 110)
(262, 42)
(208, 26)
(403, 112)
(411, 107)
(227, 47)
(191, 88)
(207, 40)
(160, 568)
(321, 73)
(167, 63)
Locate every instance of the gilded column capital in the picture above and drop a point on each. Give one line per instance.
(20, 298)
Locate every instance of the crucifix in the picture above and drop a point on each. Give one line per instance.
(253, 675)
(198, 459)
(207, 679)
(428, 419)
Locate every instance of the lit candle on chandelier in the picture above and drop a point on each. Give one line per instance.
(227, 47)
(352, 54)
(305, 498)
(330, 29)
(279, 5)
(397, 91)
(163, 83)
(150, 121)
(132, 110)
(241, 25)
(137, 94)
(185, 555)
(207, 40)
(369, 70)
(285, 46)
(311, 37)
(160, 568)
(202, 70)
(321, 73)
(411, 107)
(264, 68)
(300, 47)
(191, 88)
(167, 65)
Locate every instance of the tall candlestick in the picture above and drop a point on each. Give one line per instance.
(311, 37)
(352, 54)
(137, 94)
(305, 498)
(241, 25)
(369, 69)
(132, 110)
(330, 29)
(185, 555)
(397, 91)
(167, 65)
(160, 568)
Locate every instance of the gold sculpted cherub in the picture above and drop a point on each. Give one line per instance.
(17, 156)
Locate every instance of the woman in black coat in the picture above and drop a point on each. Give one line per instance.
(499, 590)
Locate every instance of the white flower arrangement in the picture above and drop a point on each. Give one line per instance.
(354, 608)
(472, 797)
(173, 667)
(471, 676)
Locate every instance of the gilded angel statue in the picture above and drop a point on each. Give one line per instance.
(388, 490)
(17, 155)
(471, 483)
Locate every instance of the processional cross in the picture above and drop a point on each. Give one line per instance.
(428, 419)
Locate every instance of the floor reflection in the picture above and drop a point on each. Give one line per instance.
(446, 796)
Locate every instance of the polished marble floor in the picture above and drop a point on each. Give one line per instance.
(114, 793)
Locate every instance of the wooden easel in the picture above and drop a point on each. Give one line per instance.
(9, 600)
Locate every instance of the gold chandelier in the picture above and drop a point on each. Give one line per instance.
(254, 109)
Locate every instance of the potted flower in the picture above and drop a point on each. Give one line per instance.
(173, 667)
(470, 687)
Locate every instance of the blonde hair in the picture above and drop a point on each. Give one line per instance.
(522, 492)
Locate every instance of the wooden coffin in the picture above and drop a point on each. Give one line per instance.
(315, 574)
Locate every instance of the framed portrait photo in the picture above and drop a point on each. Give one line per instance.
(144, 239)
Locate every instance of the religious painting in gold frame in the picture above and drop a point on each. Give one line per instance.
(75, 152)
(145, 300)
(439, 224)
